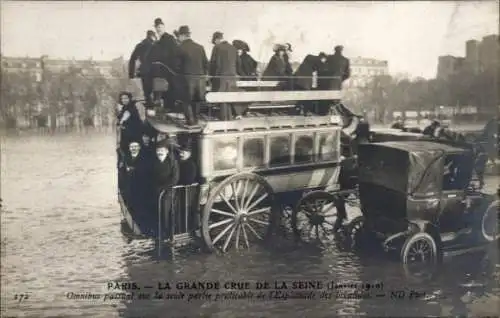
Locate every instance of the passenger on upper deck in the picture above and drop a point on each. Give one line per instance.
(278, 68)
(338, 66)
(223, 68)
(247, 66)
(128, 120)
(303, 75)
(164, 60)
(166, 173)
(141, 52)
(194, 68)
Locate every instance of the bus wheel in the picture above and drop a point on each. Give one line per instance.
(314, 217)
(238, 213)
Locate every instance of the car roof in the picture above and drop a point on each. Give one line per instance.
(417, 146)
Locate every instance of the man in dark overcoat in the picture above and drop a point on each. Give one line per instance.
(137, 172)
(223, 68)
(194, 69)
(166, 175)
(338, 66)
(164, 61)
(140, 53)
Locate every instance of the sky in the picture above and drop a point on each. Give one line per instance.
(409, 35)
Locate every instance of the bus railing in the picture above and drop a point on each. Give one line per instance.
(182, 216)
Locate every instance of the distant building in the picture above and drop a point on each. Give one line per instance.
(479, 56)
(36, 65)
(365, 69)
(449, 65)
(489, 51)
(472, 57)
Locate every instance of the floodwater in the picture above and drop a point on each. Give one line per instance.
(61, 234)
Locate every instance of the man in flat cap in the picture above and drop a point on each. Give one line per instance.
(140, 54)
(194, 69)
(166, 175)
(164, 58)
(339, 67)
(223, 68)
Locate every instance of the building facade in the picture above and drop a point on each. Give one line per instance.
(449, 65)
(479, 56)
(363, 70)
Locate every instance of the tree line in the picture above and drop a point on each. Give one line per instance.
(386, 94)
(78, 94)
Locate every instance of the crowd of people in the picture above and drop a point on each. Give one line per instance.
(184, 64)
(148, 166)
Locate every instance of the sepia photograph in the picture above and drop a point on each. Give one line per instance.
(249, 159)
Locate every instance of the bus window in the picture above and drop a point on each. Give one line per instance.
(225, 153)
(328, 144)
(253, 152)
(280, 150)
(304, 146)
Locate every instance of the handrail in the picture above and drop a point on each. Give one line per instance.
(271, 96)
(171, 213)
(244, 76)
(160, 228)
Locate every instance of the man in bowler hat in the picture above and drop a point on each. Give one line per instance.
(194, 69)
(140, 54)
(166, 175)
(223, 68)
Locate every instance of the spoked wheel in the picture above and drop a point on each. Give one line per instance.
(419, 255)
(238, 213)
(314, 217)
(490, 223)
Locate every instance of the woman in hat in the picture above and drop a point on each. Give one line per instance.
(247, 66)
(279, 67)
(129, 120)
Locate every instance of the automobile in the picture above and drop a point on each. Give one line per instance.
(418, 198)
(421, 198)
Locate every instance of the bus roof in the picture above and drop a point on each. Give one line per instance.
(172, 125)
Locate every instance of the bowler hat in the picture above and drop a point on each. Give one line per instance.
(338, 47)
(164, 143)
(217, 35)
(184, 30)
(322, 55)
(158, 21)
